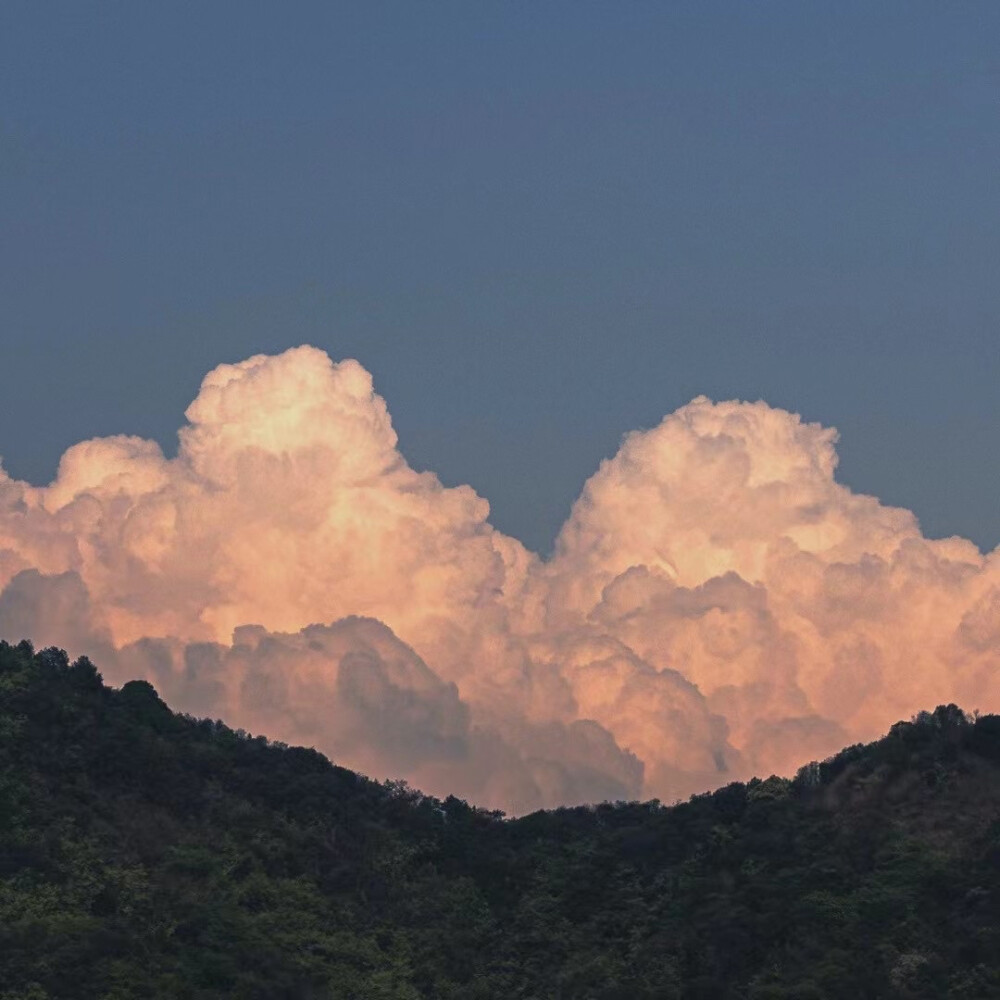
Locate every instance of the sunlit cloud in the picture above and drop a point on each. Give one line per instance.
(717, 604)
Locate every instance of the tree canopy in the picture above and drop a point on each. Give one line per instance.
(149, 854)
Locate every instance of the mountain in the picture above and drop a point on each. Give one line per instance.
(149, 854)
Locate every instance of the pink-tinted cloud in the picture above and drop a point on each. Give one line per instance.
(717, 603)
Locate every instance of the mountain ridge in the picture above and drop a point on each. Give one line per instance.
(149, 854)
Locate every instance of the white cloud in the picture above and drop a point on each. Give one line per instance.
(717, 603)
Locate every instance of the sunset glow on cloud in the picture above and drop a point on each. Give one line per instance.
(717, 604)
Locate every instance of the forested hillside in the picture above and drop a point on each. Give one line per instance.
(147, 854)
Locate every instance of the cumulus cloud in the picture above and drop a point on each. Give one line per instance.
(717, 603)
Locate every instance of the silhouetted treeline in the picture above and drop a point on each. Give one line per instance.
(148, 854)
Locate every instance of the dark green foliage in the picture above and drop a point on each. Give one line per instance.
(146, 854)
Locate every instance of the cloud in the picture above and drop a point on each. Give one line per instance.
(720, 545)
(717, 603)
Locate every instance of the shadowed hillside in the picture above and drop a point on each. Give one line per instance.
(148, 854)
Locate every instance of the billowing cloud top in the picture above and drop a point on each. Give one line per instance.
(717, 603)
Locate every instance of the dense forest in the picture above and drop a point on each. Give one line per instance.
(149, 854)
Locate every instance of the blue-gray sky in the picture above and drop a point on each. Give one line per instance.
(538, 225)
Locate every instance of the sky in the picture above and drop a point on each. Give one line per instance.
(538, 226)
(540, 403)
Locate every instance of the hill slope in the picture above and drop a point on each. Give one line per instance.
(146, 854)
